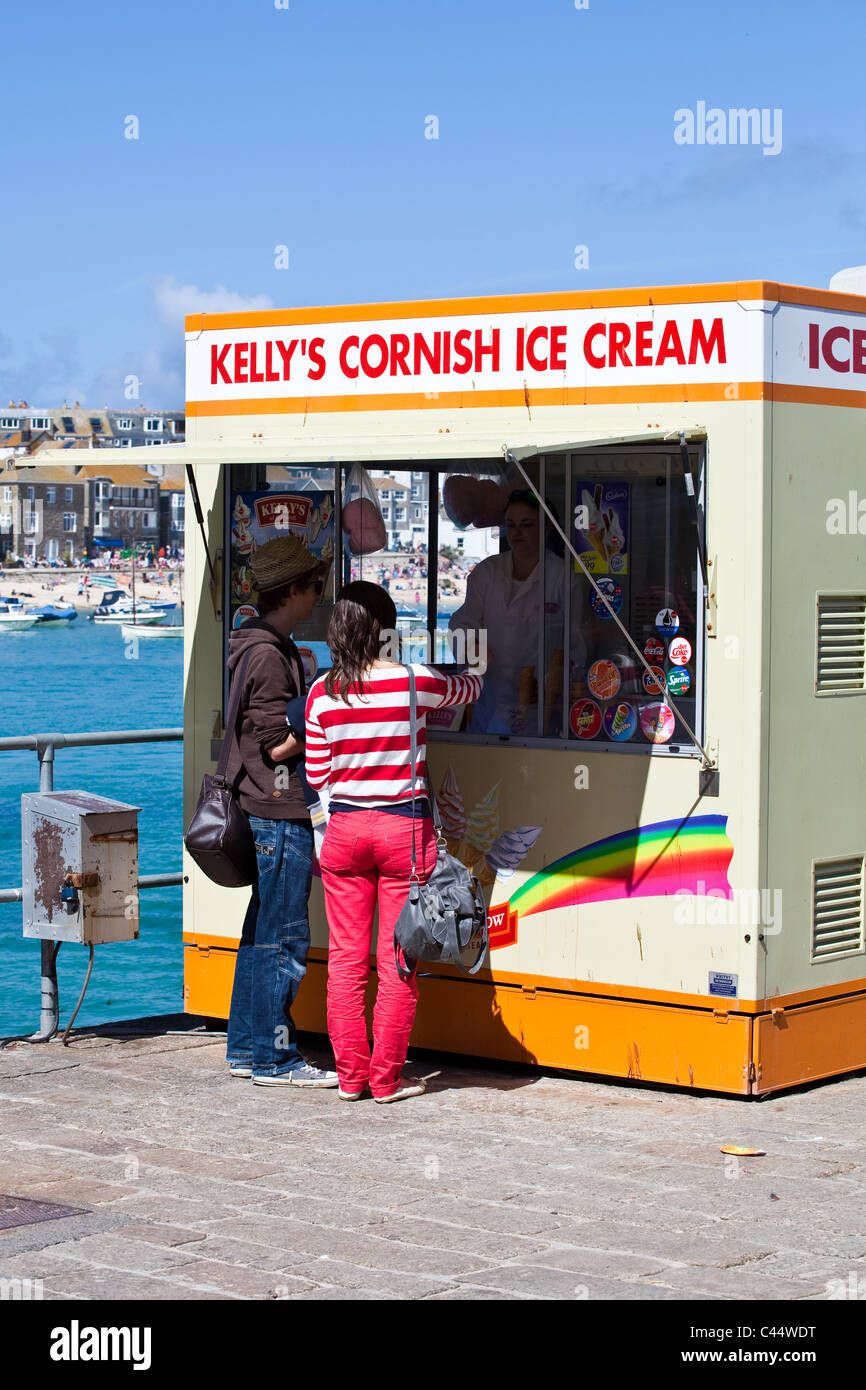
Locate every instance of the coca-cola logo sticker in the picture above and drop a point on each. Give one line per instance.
(680, 651)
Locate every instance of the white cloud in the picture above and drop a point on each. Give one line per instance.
(174, 301)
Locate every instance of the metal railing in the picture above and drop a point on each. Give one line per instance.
(44, 745)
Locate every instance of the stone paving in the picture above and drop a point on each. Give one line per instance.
(497, 1184)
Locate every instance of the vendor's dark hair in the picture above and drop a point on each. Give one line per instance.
(528, 497)
(525, 497)
(361, 614)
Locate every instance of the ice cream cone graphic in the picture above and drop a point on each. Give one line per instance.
(452, 812)
(486, 875)
(482, 829)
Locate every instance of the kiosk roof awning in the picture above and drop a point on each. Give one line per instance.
(419, 448)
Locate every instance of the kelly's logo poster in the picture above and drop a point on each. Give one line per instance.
(257, 517)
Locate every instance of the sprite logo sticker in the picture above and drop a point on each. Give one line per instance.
(679, 681)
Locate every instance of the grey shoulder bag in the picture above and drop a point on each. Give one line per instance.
(440, 918)
(219, 837)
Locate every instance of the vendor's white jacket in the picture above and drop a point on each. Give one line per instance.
(509, 610)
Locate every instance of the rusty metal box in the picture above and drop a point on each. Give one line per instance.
(88, 846)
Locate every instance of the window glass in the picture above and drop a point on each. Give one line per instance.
(277, 500)
(638, 541)
(491, 589)
(558, 665)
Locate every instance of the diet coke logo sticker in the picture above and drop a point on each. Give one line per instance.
(680, 651)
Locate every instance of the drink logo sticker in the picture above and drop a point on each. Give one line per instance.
(680, 651)
(603, 679)
(654, 684)
(620, 722)
(657, 722)
(309, 663)
(654, 651)
(679, 681)
(246, 610)
(667, 623)
(612, 592)
(585, 718)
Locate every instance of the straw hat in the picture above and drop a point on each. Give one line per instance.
(282, 560)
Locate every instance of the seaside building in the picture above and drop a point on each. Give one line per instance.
(55, 513)
(26, 430)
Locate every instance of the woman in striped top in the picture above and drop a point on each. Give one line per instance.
(358, 746)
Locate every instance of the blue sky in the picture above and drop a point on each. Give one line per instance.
(305, 127)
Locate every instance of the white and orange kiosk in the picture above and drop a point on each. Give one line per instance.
(675, 855)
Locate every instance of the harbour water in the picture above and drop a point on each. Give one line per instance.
(71, 681)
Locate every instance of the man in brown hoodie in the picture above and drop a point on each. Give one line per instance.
(272, 957)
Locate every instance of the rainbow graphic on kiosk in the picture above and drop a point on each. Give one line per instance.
(649, 861)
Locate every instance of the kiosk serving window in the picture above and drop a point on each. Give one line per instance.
(480, 576)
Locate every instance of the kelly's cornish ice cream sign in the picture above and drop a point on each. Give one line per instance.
(570, 350)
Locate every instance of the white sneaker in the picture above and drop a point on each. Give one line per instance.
(350, 1095)
(305, 1075)
(405, 1090)
(238, 1070)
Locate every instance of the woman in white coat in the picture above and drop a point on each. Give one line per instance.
(504, 597)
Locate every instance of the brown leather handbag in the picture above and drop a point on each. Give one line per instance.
(219, 837)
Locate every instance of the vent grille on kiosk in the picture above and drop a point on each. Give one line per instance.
(841, 656)
(837, 908)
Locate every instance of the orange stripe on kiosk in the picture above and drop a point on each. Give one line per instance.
(654, 786)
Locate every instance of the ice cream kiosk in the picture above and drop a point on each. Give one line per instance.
(665, 802)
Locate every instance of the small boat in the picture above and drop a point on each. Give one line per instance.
(163, 607)
(53, 614)
(15, 622)
(139, 629)
(127, 613)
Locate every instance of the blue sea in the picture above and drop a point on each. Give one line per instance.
(73, 680)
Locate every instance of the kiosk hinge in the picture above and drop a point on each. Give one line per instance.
(711, 597)
(528, 991)
(720, 1015)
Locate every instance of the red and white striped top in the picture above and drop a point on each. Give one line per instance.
(362, 751)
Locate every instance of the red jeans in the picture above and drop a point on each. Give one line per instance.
(368, 855)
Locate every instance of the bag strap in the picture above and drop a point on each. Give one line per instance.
(413, 734)
(231, 734)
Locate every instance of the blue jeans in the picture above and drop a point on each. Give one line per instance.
(272, 956)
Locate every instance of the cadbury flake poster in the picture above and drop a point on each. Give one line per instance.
(601, 526)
